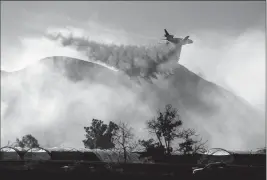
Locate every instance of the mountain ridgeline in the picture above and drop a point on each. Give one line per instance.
(55, 98)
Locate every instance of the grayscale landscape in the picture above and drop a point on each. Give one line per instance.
(98, 77)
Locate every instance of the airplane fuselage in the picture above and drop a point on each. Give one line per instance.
(178, 40)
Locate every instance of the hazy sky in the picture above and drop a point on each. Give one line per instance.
(229, 37)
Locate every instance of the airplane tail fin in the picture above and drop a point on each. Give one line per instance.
(166, 33)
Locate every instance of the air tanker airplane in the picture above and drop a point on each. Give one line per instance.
(176, 41)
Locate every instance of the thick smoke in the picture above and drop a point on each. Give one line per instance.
(135, 61)
(54, 98)
(54, 108)
(40, 94)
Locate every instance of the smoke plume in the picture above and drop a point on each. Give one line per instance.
(55, 97)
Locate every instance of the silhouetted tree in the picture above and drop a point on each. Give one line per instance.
(124, 140)
(189, 145)
(153, 149)
(100, 135)
(27, 141)
(165, 126)
(147, 143)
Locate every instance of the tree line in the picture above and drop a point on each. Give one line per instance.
(166, 129)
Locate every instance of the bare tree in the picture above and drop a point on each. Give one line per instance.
(189, 145)
(124, 140)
